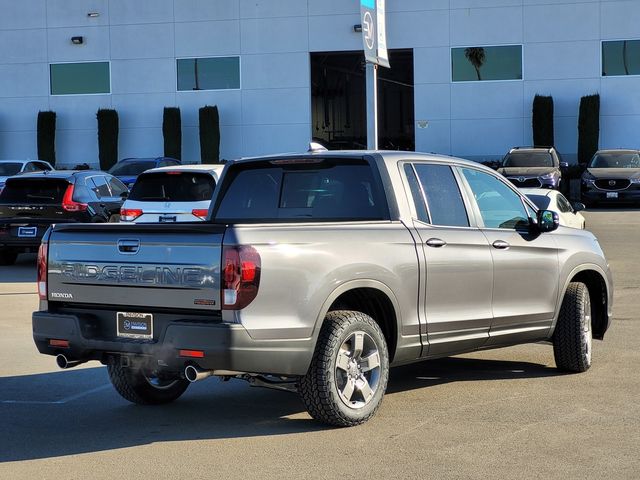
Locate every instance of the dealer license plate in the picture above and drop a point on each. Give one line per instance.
(27, 232)
(612, 194)
(134, 325)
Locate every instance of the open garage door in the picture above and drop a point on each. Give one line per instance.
(338, 101)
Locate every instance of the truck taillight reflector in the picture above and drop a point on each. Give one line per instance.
(42, 270)
(59, 343)
(192, 353)
(240, 276)
(129, 214)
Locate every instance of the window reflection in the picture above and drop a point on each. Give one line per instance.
(470, 64)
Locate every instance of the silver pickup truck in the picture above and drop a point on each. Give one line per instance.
(316, 273)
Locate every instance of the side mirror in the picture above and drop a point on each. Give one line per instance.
(564, 165)
(124, 195)
(578, 207)
(548, 220)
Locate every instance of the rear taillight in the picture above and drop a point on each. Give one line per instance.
(129, 214)
(240, 276)
(42, 269)
(69, 204)
(200, 213)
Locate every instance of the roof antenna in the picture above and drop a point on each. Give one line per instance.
(316, 147)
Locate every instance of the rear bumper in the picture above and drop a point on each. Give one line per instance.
(225, 346)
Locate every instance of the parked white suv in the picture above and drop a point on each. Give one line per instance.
(171, 194)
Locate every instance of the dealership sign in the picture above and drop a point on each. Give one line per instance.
(374, 35)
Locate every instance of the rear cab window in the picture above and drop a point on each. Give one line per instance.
(178, 186)
(290, 190)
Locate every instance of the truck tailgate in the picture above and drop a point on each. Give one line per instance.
(121, 265)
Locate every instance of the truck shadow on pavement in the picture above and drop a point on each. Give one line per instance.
(24, 270)
(74, 412)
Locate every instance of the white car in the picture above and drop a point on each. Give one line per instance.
(171, 194)
(9, 168)
(546, 199)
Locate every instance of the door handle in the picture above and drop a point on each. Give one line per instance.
(500, 245)
(128, 247)
(435, 242)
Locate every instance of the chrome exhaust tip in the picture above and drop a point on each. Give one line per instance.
(194, 374)
(64, 363)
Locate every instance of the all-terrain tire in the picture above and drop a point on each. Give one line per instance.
(8, 257)
(325, 390)
(572, 339)
(137, 387)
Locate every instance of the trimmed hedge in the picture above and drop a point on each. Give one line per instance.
(542, 121)
(209, 134)
(46, 137)
(172, 132)
(588, 127)
(107, 138)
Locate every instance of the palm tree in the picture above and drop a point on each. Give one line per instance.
(476, 57)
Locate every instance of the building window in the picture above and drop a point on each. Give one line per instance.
(621, 57)
(80, 78)
(469, 64)
(215, 73)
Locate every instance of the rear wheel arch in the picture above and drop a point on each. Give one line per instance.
(370, 297)
(599, 294)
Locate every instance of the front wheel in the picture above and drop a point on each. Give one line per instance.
(572, 339)
(349, 371)
(144, 387)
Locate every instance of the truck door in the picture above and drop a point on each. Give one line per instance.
(459, 267)
(525, 262)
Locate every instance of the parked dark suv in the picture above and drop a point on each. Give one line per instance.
(128, 169)
(533, 167)
(31, 202)
(612, 176)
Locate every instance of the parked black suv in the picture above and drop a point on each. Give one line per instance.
(533, 167)
(612, 176)
(31, 202)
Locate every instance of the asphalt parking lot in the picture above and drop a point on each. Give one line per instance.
(496, 414)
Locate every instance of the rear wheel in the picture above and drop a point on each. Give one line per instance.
(145, 387)
(572, 339)
(8, 257)
(349, 371)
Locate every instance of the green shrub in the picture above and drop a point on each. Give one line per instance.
(47, 137)
(588, 127)
(107, 138)
(172, 132)
(542, 121)
(209, 134)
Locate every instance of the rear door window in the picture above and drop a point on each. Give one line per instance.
(47, 191)
(444, 200)
(323, 190)
(99, 186)
(173, 187)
